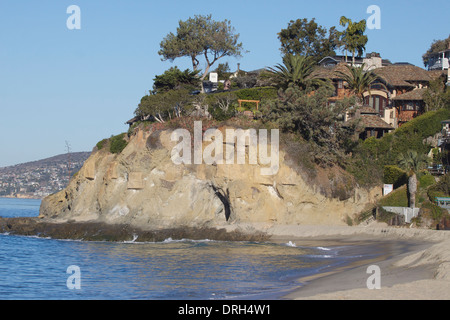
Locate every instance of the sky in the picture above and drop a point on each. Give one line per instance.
(82, 85)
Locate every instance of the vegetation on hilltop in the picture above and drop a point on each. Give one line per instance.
(292, 100)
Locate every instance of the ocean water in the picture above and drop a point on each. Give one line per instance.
(36, 268)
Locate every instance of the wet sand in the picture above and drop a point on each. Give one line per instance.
(414, 264)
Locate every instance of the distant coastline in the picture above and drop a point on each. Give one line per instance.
(22, 196)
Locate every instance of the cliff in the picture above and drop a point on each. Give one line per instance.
(142, 187)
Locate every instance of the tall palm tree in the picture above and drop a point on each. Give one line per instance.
(353, 38)
(412, 162)
(296, 69)
(358, 80)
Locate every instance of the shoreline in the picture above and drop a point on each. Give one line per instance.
(415, 266)
(414, 263)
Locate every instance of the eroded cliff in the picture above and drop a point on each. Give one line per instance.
(143, 187)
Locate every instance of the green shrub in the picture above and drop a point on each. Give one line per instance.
(426, 181)
(259, 93)
(397, 198)
(394, 175)
(101, 144)
(221, 115)
(433, 211)
(118, 143)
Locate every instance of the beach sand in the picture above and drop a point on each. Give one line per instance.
(415, 264)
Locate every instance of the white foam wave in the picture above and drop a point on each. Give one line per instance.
(291, 244)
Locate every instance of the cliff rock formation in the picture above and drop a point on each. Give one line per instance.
(143, 187)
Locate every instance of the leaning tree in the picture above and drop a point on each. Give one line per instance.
(201, 36)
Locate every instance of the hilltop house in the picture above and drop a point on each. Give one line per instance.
(367, 122)
(397, 83)
(439, 60)
(371, 61)
(385, 94)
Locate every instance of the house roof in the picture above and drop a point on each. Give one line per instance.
(434, 74)
(416, 94)
(401, 75)
(367, 109)
(330, 73)
(341, 59)
(364, 110)
(369, 121)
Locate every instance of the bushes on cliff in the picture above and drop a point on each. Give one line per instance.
(118, 143)
(410, 136)
(313, 118)
(372, 155)
(395, 176)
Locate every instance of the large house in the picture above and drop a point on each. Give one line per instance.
(397, 91)
(371, 61)
(397, 94)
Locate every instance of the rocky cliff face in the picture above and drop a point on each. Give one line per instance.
(143, 187)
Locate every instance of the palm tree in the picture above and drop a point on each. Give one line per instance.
(353, 38)
(296, 69)
(412, 162)
(358, 80)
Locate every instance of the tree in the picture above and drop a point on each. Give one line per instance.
(434, 97)
(358, 80)
(310, 115)
(412, 162)
(201, 36)
(295, 70)
(174, 79)
(163, 105)
(303, 37)
(223, 71)
(436, 46)
(353, 38)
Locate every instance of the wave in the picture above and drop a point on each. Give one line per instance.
(170, 240)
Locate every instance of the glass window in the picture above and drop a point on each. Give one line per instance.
(377, 104)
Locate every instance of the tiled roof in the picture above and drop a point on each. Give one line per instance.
(369, 121)
(330, 73)
(367, 109)
(416, 94)
(434, 74)
(400, 75)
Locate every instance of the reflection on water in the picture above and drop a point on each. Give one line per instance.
(35, 268)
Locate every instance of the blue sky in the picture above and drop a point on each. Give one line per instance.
(81, 86)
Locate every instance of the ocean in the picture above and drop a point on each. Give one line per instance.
(33, 268)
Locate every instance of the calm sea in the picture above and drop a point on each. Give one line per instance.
(36, 268)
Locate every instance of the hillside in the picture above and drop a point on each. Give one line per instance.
(40, 178)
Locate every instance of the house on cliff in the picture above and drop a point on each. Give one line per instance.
(367, 123)
(396, 95)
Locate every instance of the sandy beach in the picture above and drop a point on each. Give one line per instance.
(415, 264)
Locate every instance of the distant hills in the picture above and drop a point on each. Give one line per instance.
(37, 179)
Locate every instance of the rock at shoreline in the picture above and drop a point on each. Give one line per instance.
(98, 231)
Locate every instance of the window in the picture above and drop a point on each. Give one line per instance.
(409, 106)
(379, 103)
